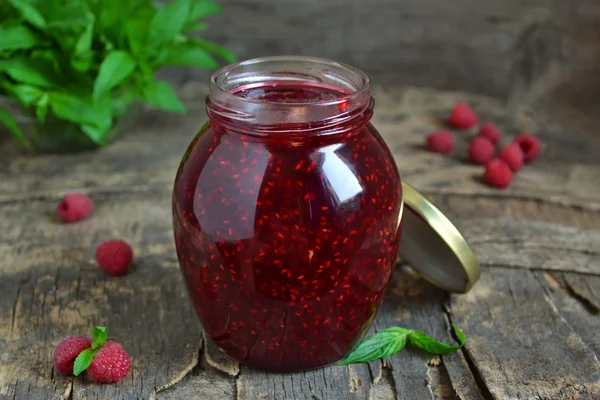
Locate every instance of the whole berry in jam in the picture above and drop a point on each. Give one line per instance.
(462, 116)
(498, 174)
(512, 155)
(481, 150)
(530, 145)
(67, 351)
(110, 365)
(440, 142)
(114, 257)
(74, 207)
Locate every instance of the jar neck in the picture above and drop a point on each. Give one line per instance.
(290, 94)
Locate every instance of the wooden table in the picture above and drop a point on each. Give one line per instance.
(532, 321)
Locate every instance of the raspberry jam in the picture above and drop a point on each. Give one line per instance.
(286, 210)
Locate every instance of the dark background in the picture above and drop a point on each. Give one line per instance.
(511, 49)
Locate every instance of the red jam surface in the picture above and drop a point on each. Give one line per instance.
(287, 246)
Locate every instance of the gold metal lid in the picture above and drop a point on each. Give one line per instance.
(434, 247)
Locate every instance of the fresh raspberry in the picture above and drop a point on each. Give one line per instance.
(74, 207)
(110, 365)
(512, 155)
(481, 150)
(462, 116)
(67, 351)
(498, 174)
(530, 145)
(114, 256)
(440, 142)
(490, 132)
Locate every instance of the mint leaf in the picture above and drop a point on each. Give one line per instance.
(203, 8)
(31, 70)
(137, 27)
(189, 56)
(117, 66)
(217, 50)
(29, 13)
(99, 334)
(392, 340)
(84, 360)
(9, 121)
(196, 27)
(16, 37)
(161, 95)
(42, 107)
(379, 345)
(430, 345)
(26, 94)
(168, 22)
(84, 42)
(82, 111)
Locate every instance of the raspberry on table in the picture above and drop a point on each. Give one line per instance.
(114, 257)
(481, 150)
(67, 351)
(110, 365)
(74, 207)
(462, 116)
(440, 142)
(530, 145)
(490, 132)
(512, 155)
(498, 174)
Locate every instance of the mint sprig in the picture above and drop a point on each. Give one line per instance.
(86, 61)
(85, 358)
(392, 340)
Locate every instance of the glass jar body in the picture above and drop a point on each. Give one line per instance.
(287, 247)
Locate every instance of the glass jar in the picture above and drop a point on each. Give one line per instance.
(287, 211)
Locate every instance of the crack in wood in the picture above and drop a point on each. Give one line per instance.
(185, 371)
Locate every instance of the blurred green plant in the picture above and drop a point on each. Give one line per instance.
(85, 61)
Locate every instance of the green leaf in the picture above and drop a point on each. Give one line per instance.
(161, 95)
(196, 27)
(117, 66)
(217, 50)
(84, 43)
(16, 37)
(430, 345)
(42, 107)
(203, 8)
(82, 111)
(29, 13)
(168, 22)
(190, 56)
(379, 345)
(99, 334)
(32, 70)
(8, 120)
(84, 360)
(27, 94)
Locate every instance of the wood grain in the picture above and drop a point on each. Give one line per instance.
(51, 288)
(531, 321)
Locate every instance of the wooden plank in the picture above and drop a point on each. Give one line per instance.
(410, 302)
(519, 341)
(52, 288)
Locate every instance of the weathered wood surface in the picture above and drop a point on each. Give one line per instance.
(532, 322)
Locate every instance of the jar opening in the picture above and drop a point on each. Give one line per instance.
(289, 89)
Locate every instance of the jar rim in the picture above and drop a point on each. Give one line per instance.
(364, 87)
(353, 85)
